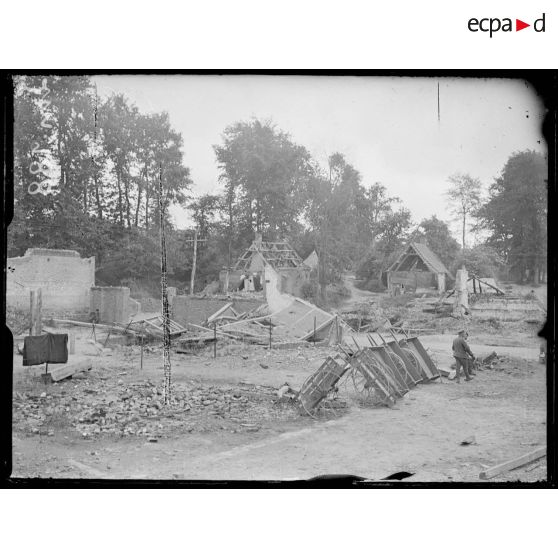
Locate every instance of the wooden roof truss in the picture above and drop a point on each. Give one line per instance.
(279, 255)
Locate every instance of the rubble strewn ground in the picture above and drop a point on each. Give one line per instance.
(98, 405)
(226, 420)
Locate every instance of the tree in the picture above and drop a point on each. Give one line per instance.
(387, 228)
(481, 260)
(436, 234)
(333, 208)
(263, 171)
(516, 214)
(464, 196)
(204, 208)
(100, 157)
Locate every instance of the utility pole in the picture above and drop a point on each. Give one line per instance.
(193, 275)
(164, 297)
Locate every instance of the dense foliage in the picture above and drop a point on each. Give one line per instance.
(516, 215)
(103, 159)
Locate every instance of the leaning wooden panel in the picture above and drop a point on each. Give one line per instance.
(414, 354)
(379, 369)
(382, 355)
(415, 342)
(318, 385)
(411, 369)
(375, 377)
(399, 367)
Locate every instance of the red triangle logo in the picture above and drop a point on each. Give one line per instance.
(519, 25)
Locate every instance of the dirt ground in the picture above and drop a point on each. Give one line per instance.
(234, 429)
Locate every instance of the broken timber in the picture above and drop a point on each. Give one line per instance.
(513, 463)
(60, 372)
(427, 367)
(317, 386)
(155, 325)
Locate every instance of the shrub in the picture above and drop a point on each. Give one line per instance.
(309, 290)
(372, 285)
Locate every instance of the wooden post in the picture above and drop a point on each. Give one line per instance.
(214, 339)
(314, 331)
(36, 309)
(141, 351)
(270, 334)
(72, 342)
(193, 275)
(337, 329)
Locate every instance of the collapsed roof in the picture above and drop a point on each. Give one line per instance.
(416, 253)
(280, 255)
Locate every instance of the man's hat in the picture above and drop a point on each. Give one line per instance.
(460, 332)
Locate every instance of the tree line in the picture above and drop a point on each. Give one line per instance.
(103, 159)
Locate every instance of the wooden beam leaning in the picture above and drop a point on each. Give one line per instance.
(513, 463)
(374, 376)
(376, 369)
(380, 356)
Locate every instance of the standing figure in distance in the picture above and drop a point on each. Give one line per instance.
(461, 353)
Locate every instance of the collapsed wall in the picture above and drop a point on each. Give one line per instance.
(63, 276)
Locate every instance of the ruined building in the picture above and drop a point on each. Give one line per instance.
(67, 283)
(64, 278)
(418, 268)
(267, 265)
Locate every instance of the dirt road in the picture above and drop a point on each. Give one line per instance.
(357, 296)
(503, 409)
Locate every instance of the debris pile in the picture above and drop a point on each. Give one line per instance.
(381, 372)
(298, 322)
(137, 409)
(367, 317)
(17, 320)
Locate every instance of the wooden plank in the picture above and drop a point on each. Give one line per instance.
(245, 333)
(400, 376)
(500, 291)
(375, 376)
(151, 324)
(66, 370)
(219, 312)
(317, 386)
(415, 374)
(210, 330)
(88, 324)
(513, 463)
(244, 321)
(318, 329)
(421, 351)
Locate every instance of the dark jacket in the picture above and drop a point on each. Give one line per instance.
(460, 348)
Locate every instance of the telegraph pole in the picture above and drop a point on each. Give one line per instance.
(193, 275)
(164, 297)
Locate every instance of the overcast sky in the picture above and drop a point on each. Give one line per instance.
(387, 128)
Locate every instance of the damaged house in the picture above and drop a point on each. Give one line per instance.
(418, 268)
(267, 265)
